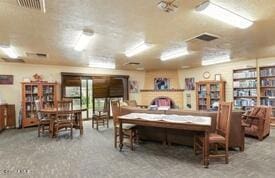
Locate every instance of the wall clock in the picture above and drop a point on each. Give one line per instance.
(206, 75)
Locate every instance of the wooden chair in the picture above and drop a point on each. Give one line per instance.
(43, 121)
(64, 117)
(129, 130)
(257, 122)
(101, 117)
(221, 135)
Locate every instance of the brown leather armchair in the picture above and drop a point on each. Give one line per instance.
(257, 122)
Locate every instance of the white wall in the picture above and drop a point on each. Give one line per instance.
(12, 93)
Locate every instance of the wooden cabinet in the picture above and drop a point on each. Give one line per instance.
(208, 92)
(7, 116)
(32, 91)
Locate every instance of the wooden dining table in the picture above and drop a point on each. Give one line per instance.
(200, 125)
(51, 114)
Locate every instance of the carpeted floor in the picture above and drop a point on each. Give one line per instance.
(23, 154)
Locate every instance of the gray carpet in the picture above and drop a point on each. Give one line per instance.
(23, 154)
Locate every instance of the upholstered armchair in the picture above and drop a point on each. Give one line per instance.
(257, 122)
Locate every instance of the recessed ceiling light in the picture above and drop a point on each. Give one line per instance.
(216, 60)
(83, 40)
(173, 54)
(9, 51)
(140, 68)
(102, 65)
(102, 62)
(185, 67)
(140, 47)
(224, 15)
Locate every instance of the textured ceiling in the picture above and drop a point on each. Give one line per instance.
(119, 24)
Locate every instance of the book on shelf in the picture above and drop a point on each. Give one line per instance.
(268, 83)
(266, 72)
(268, 102)
(245, 84)
(269, 93)
(245, 74)
(244, 102)
(245, 93)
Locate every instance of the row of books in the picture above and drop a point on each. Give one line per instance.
(244, 74)
(267, 83)
(244, 102)
(245, 84)
(267, 72)
(270, 93)
(202, 94)
(202, 102)
(215, 95)
(245, 92)
(31, 90)
(215, 87)
(268, 102)
(31, 98)
(48, 89)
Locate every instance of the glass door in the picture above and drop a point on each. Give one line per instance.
(87, 98)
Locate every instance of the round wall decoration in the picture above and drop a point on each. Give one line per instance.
(206, 75)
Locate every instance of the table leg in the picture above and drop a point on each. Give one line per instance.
(120, 136)
(51, 129)
(80, 123)
(206, 149)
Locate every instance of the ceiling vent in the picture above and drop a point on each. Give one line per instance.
(132, 63)
(33, 4)
(204, 37)
(36, 55)
(13, 60)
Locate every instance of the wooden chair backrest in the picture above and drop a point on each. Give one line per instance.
(132, 103)
(65, 105)
(115, 105)
(223, 119)
(38, 107)
(106, 107)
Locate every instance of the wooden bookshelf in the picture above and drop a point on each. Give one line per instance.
(32, 91)
(267, 88)
(245, 88)
(208, 92)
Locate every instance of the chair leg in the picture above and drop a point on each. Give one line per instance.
(71, 131)
(93, 122)
(131, 140)
(115, 138)
(43, 129)
(38, 128)
(96, 124)
(226, 154)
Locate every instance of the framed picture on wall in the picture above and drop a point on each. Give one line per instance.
(6, 79)
(190, 83)
(161, 84)
(133, 86)
(218, 77)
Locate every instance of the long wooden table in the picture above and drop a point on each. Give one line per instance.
(201, 128)
(51, 112)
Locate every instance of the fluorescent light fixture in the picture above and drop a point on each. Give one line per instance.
(9, 51)
(43, 6)
(140, 68)
(215, 60)
(103, 65)
(140, 47)
(83, 40)
(224, 15)
(173, 54)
